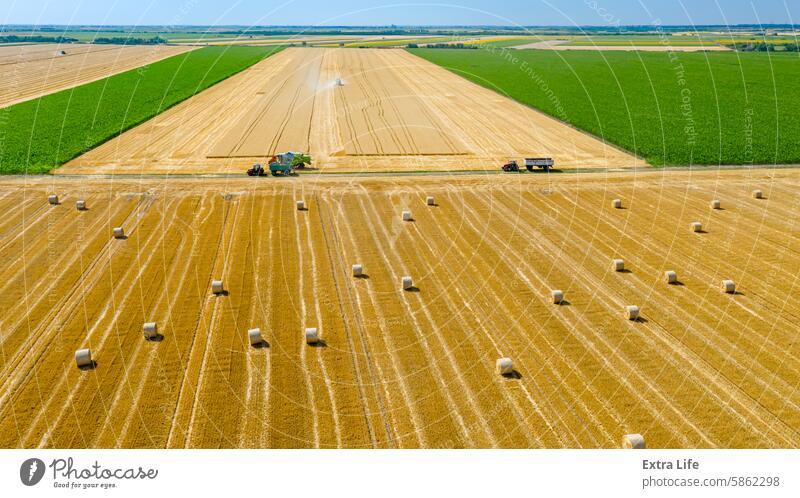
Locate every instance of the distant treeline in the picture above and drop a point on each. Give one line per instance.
(36, 39)
(121, 40)
(445, 45)
(766, 47)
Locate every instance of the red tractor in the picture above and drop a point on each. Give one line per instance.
(511, 166)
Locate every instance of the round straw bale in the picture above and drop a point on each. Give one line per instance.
(83, 357)
(80, 205)
(312, 336)
(301, 205)
(728, 286)
(150, 330)
(254, 335)
(716, 204)
(504, 366)
(618, 264)
(632, 312)
(633, 442)
(671, 277)
(406, 215)
(358, 270)
(616, 203)
(52, 199)
(407, 283)
(217, 287)
(429, 200)
(757, 194)
(558, 296)
(697, 226)
(119, 233)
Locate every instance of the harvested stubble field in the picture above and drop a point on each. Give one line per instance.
(395, 111)
(30, 71)
(401, 369)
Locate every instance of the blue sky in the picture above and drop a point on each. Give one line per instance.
(383, 12)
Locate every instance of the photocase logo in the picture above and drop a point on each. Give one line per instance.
(31, 471)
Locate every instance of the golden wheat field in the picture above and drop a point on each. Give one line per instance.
(30, 71)
(395, 368)
(392, 112)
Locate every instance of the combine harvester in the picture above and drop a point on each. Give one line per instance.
(282, 164)
(545, 163)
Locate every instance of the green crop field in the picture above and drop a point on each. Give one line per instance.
(670, 109)
(41, 134)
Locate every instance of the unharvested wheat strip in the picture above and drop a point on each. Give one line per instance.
(697, 364)
(167, 299)
(730, 346)
(553, 372)
(418, 77)
(357, 251)
(633, 373)
(481, 293)
(98, 334)
(450, 140)
(376, 90)
(376, 126)
(450, 403)
(37, 341)
(532, 439)
(304, 323)
(424, 131)
(155, 417)
(221, 418)
(190, 384)
(324, 136)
